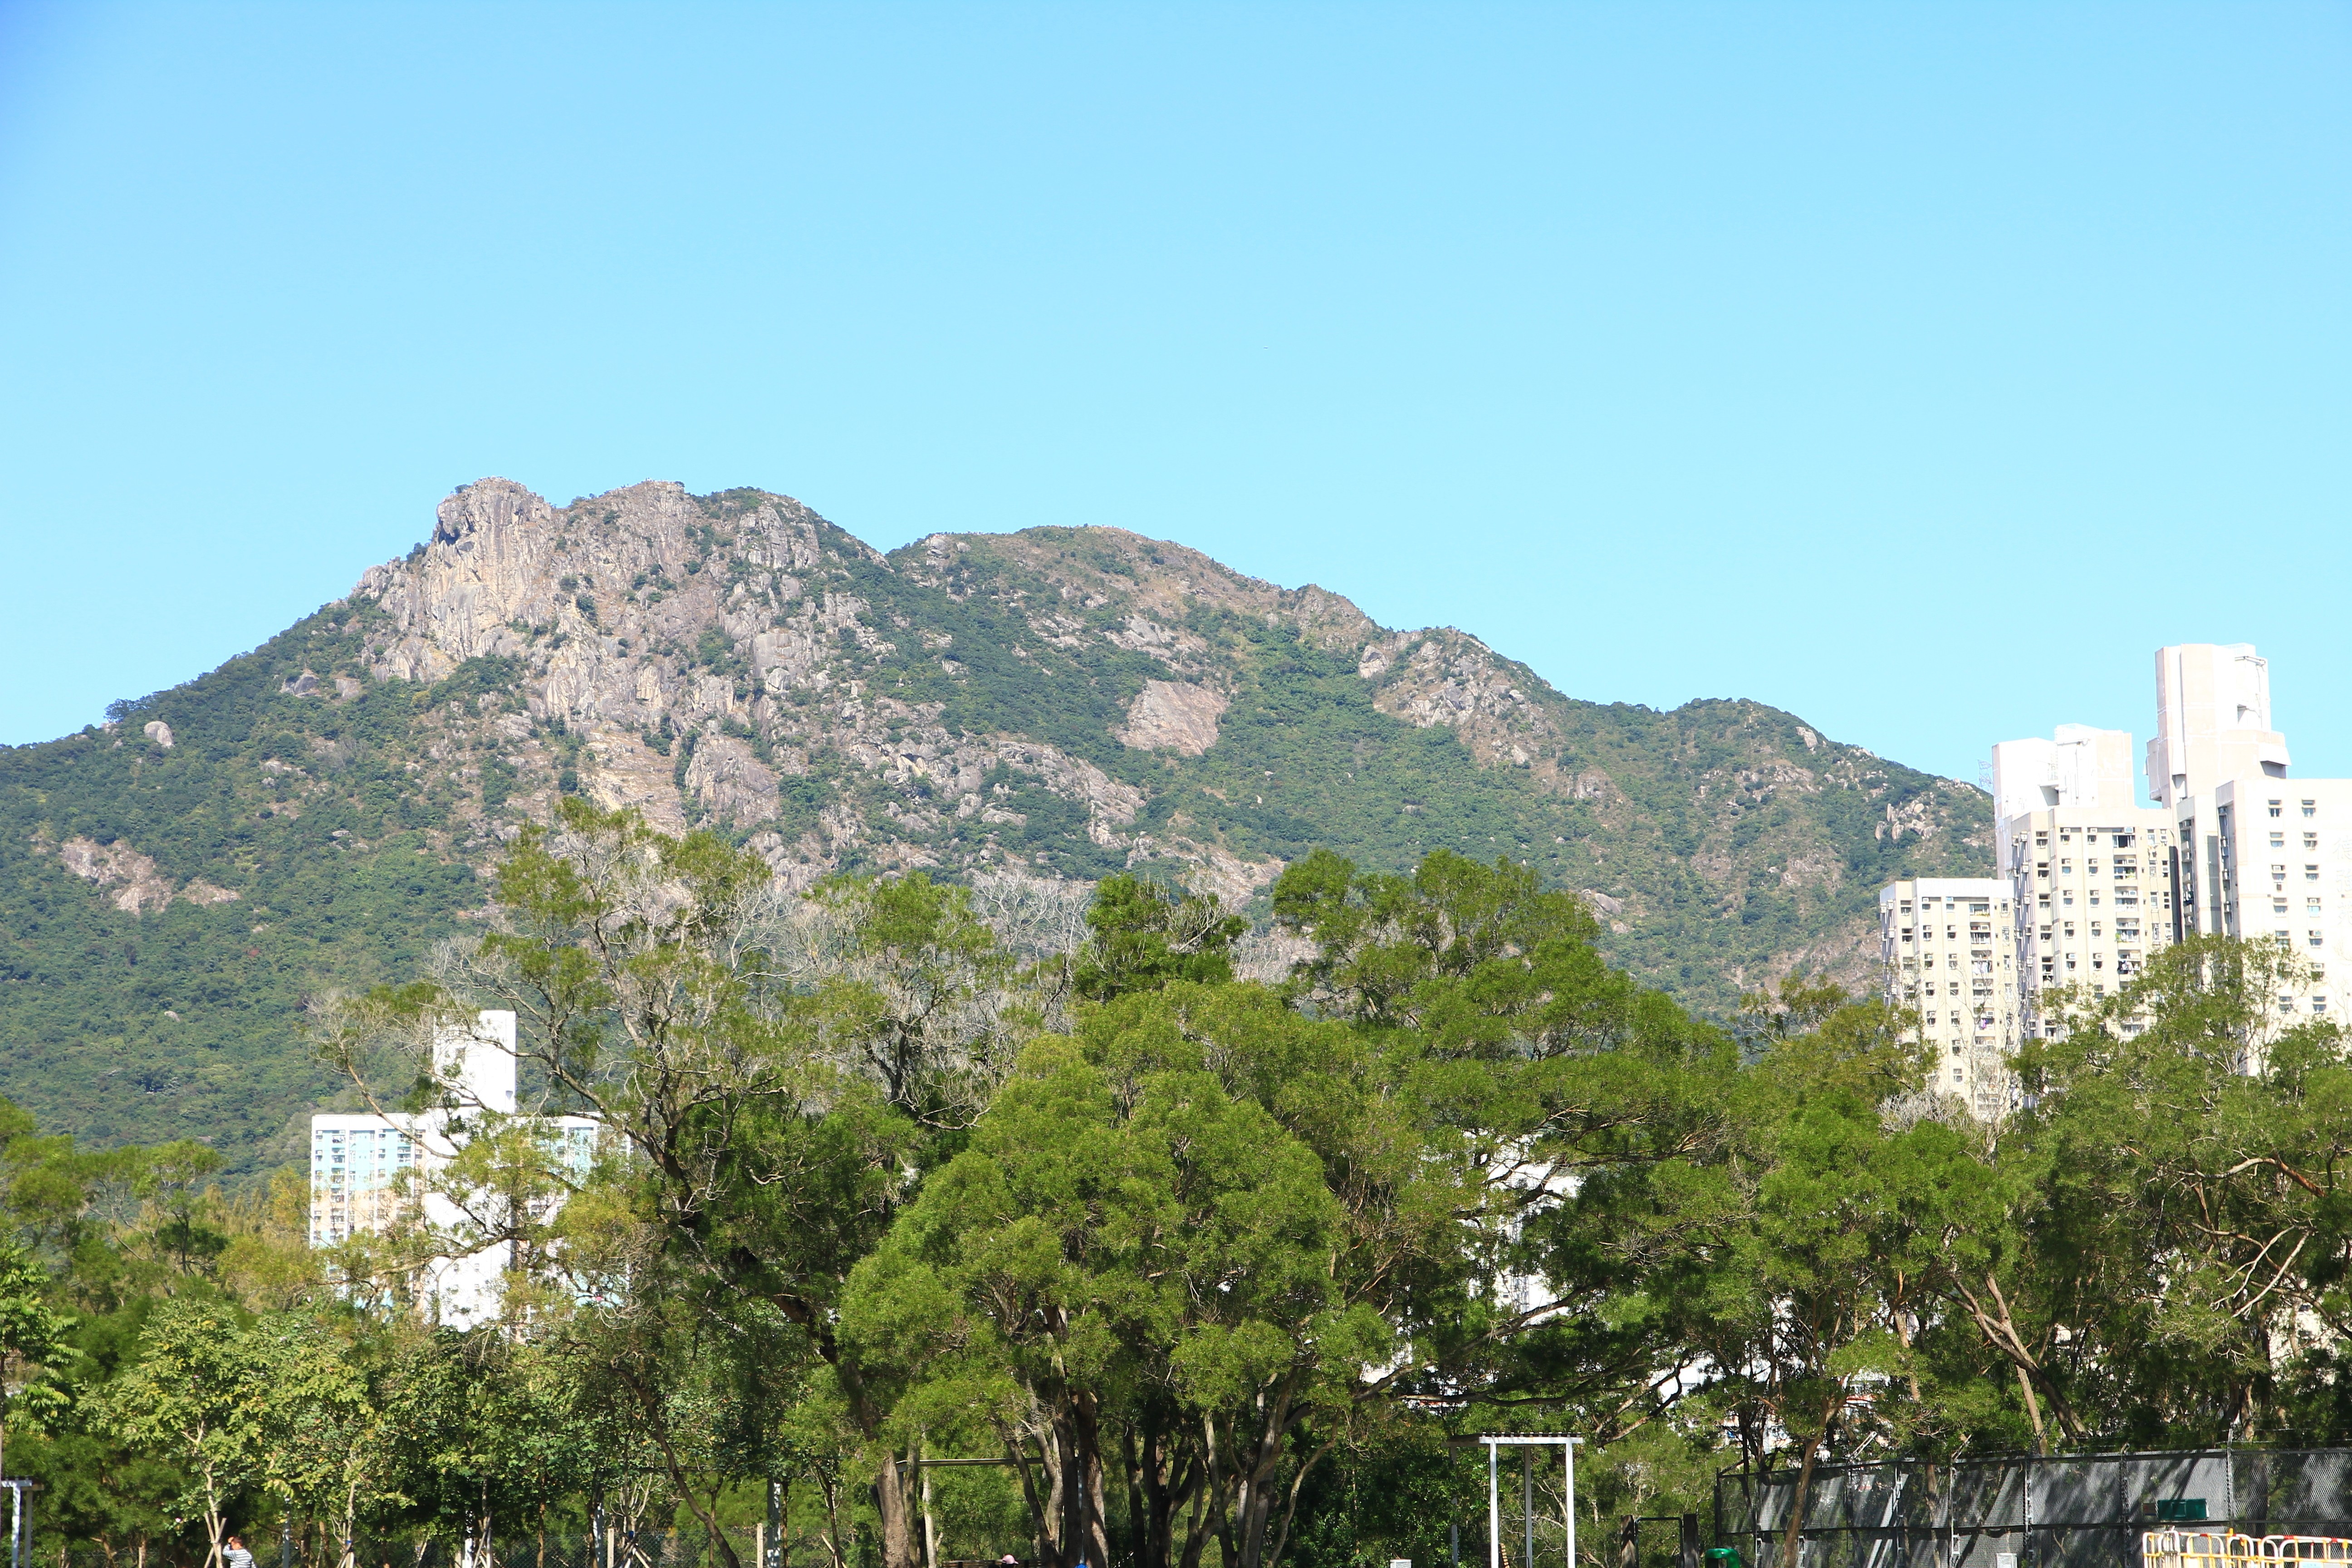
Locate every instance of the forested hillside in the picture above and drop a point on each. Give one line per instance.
(1065, 703)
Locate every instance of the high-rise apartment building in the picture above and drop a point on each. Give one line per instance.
(2262, 855)
(1947, 945)
(2093, 884)
(369, 1170)
(2088, 869)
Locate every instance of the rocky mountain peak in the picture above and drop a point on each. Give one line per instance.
(1053, 703)
(696, 656)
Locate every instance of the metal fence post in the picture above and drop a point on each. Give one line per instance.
(1528, 1502)
(1494, 1507)
(1567, 1465)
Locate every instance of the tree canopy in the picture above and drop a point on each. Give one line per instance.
(1216, 1236)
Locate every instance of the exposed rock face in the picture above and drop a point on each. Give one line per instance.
(138, 885)
(964, 705)
(1012, 711)
(1174, 716)
(727, 781)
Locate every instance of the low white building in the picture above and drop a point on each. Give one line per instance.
(1947, 949)
(367, 1171)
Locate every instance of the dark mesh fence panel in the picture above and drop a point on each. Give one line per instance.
(2076, 1511)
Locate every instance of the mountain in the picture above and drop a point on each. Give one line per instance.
(1067, 702)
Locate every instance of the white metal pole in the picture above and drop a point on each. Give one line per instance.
(1527, 1499)
(1567, 1464)
(1493, 1510)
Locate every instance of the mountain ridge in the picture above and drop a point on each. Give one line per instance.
(1059, 702)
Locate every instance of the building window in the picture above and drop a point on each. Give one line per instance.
(2319, 1004)
(2284, 939)
(2311, 808)
(2316, 940)
(2274, 808)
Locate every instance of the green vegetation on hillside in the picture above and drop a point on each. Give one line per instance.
(186, 1022)
(353, 817)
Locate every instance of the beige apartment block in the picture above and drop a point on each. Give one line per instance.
(1945, 944)
(2094, 900)
(2088, 869)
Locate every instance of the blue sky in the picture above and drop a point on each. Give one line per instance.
(1919, 369)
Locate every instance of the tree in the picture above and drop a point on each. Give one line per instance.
(2184, 1146)
(325, 1442)
(32, 1337)
(1143, 936)
(1141, 1235)
(769, 1073)
(201, 1393)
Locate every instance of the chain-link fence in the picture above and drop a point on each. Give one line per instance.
(2073, 1510)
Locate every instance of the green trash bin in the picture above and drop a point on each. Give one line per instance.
(1724, 1557)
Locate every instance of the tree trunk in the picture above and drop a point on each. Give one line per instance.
(931, 1525)
(1085, 1530)
(1154, 1492)
(1028, 1489)
(214, 1524)
(1790, 1540)
(890, 1504)
(1255, 1489)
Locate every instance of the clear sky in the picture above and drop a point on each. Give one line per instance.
(1916, 368)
